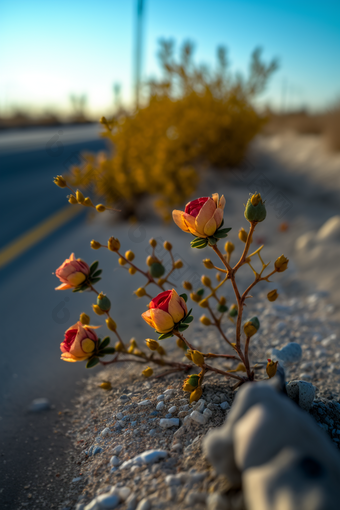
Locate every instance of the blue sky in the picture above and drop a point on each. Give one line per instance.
(49, 50)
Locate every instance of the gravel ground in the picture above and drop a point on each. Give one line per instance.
(111, 427)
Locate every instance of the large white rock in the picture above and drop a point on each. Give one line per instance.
(166, 423)
(147, 457)
(283, 459)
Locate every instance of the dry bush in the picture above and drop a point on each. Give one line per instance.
(193, 117)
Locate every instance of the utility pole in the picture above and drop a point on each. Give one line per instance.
(138, 50)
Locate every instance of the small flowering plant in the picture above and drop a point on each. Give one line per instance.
(167, 311)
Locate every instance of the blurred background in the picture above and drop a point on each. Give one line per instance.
(194, 97)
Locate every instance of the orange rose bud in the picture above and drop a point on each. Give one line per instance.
(60, 181)
(202, 217)
(106, 385)
(187, 285)
(132, 270)
(72, 273)
(167, 245)
(161, 351)
(152, 344)
(113, 244)
(205, 320)
(242, 235)
(129, 255)
(100, 208)
(84, 319)
(111, 324)
(195, 297)
(178, 264)
(197, 357)
(165, 310)
(229, 247)
(206, 280)
(80, 197)
(147, 372)
(153, 242)
(196, 395)
(95, 245)
(72, 199)
(140, 292)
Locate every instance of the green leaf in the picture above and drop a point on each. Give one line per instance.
(212, 240)
(81, 288)
(104, 343)
(93, 266)
(95, 280)
(92, 362)
(187, 320)
(183, 327)
(108, 350)
(97, 273)
(184, 296)
(219, 235)
(200, 292)
(224, 230)
(165, 335)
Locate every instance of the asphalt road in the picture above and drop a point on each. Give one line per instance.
(33, 316)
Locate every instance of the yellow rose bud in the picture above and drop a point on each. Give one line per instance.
(196, 394)
(187, 285)
(72, 199)
(97, 310)
(204, 303)
(88, 202)
(138, 352)
(106, 385)
(121, 261)
(147, 372)
(242, 235)
(222, 300)
(151, 260)
(84, 319)
(100, 208)
(133, 342)
(161, 351)
(131, 349)
(218, 277)
(178, 264)
(95, 245)
(132, 270)
(206, 280)
(188, 355)
(195, 297)
(152, 344)
(153, 242)
(251, 327)
(103, 120)
(191, 382)
(140, 292)
(167, 245)
(180, 343)
(80, 197)
(60, 181)
(129, 255)
(205, 320)
(281, 264)
(271, 368)
(113, 244)
(119, 347)
(161, 281)
(111, 324)
(229, 247)
(272, 295)
(197, 357)
(208, 264)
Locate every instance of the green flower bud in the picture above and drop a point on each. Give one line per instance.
(222, 308)
(255, 209)
(103, 302)
(233, 311)
(251, 327)
(157, 270)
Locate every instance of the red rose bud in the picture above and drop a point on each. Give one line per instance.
(72, 273)
(165, 310)
(202, 217)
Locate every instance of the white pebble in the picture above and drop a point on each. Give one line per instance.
(160, 405)
(144, 504)
(147, 457)
(199, 405)
(172, 409)
(198, 417)
(105, 432)
(166, 423)
(185, 407)
(207, 413)
(123, 492)
(117, 449)
(225, 405)
(170, 391)
(114, 461)
(144, 403)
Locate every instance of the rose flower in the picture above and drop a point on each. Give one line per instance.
(202, 217)
(79, 343)
(72, 273)
(165, 310)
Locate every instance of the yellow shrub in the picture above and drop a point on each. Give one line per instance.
(192, 119)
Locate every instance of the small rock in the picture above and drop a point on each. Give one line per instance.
(199, 405)
(225, 405)
(147, 457)
(105, 432)
(96, 450)
(290, 353)
(117, 449)
(40, 404)
(160, 397)
(144, 403)
(198, 417)
(181, 414)
(217, 501)
(123, 492)
(194, 498)
(160, 406)
(207, 413)
(173, 480)
(168, 415)
(119, 416)
(176, 447)
(124, 397)
(172, 409)
(114, 461)
(144, 504)
(166, 423)
(131, 502)
(104, 502)
(301, 392)
(170, 391)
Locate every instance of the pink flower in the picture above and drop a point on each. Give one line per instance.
(165, 310)
(202, 217)
(79, 343)
(72, 273)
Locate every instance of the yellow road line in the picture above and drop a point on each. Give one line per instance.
(15, 248)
